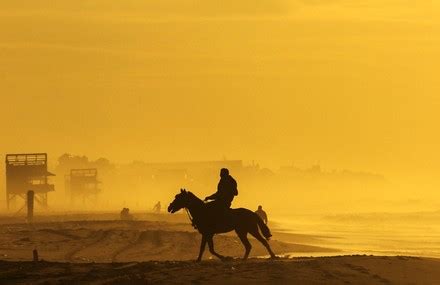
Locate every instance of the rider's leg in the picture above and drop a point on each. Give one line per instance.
(212, 215)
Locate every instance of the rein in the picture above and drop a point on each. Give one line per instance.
(191, 218)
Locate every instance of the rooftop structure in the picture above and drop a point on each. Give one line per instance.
(26, 172)
(83, 184)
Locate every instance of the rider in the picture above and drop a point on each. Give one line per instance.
(226, 190)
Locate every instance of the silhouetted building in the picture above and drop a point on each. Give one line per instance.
(83, 184)
(26, 172)
(202, 171)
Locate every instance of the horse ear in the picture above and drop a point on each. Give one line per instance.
(181, 190)
(184, 190)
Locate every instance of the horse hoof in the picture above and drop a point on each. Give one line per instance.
(227, 258)
(198, 260)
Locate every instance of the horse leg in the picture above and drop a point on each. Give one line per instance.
(261, 239)
(211, 248)
(202, 248)
(246, 243)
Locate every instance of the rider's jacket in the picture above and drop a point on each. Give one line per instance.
(226, 190)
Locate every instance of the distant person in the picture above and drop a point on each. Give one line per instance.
(262, 214)
(125, 215)
(226, 190)
(157, 207)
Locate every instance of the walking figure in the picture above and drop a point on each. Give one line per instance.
(157, 207)
(262, 214)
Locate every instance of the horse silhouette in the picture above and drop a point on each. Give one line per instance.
(209, 221)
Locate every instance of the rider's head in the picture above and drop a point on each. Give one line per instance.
(224, 172)
(260, 207)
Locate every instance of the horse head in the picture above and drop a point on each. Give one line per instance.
(181, 200)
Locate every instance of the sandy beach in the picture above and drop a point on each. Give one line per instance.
(99, 249)
(323, 270)
(163, 237)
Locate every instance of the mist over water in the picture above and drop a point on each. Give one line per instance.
(351, 212)
(409, 234)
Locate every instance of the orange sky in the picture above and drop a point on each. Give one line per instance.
(276, 81)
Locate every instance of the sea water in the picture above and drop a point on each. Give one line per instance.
(410, 234)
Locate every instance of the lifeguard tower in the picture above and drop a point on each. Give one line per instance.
(26, 172)
(83, 184)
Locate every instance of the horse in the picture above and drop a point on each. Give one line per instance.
(209, 221)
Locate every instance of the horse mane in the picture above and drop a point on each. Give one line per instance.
(195, 197)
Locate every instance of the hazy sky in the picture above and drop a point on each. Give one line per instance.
(351, 84)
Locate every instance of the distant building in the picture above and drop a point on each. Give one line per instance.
(186, 173)
(82, 184)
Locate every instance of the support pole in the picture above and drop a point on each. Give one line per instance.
(35, 255)
(30, 206)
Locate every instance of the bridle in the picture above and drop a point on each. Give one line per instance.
(191, 219)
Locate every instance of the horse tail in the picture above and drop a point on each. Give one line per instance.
(263, 228)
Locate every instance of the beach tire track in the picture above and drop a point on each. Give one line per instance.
(100, 236)
(131, 244)
(365, 271)
(154, 238)
(61, 233)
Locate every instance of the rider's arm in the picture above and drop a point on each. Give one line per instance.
(234, 187)
(212, 197)
(215, 195)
